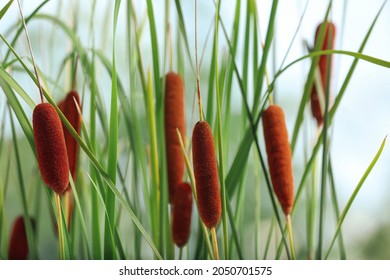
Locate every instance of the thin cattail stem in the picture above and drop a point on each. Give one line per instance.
(31, 52)
(215, 243)
(181, 253)
(170, 48)
(290, 236)
(197, 63)
(60, 233)
(67, 208)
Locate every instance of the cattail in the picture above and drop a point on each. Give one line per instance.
(61, 105)
(72, 114)
(174, 118)
(206, 174)
(182, 210)
(18, 244)
(279, 156)
(330, 31)
(50, 147)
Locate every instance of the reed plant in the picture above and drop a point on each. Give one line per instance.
(136, 77)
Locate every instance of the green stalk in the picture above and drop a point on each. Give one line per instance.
(343, 255)
(154, 154)
(220, 146)
(324, 154)
(109, 242)
(267, 45)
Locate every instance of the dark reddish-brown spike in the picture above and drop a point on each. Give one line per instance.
(71, 112)
(174, 118)
(50, 147)
(206, 174)
(18, 244)
(330, 32)
(182, 210)
(279, 156)
(61, 105)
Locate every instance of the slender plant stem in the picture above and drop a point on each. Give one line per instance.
(181, 253)
(197, 63)
(291, 237)
(31, 52)
(59, 223)
(67, 209)
(215, 243)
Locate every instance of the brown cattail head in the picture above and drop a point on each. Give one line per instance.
(50, 147)
(279, 156)
(61, 106)
(174, 118)
(182, 210)
(18, 244)
(72, 114)
(206, 174)
(328, 44)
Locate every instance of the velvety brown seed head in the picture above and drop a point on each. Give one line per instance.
(50, 147)
(182, 210)
(279, 156)
(174, 118)
(18, 244)
(206, 174)
(330, 32)
(72, 114)
(61, 105)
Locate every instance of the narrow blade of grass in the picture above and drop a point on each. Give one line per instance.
(354, 194)
(343, 254)
(109, 243)
(4, 10)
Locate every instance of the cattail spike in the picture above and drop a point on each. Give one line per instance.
(206, 174)
(70, 110)
(330, 32)
(174, 118)
(279, 156)
(50, 147)
(18, 244)
(182, 210)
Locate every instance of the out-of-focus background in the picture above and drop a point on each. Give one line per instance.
(360, 124)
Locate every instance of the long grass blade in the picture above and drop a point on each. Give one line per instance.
(354, 194)
(4, 10)
(109, 243)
